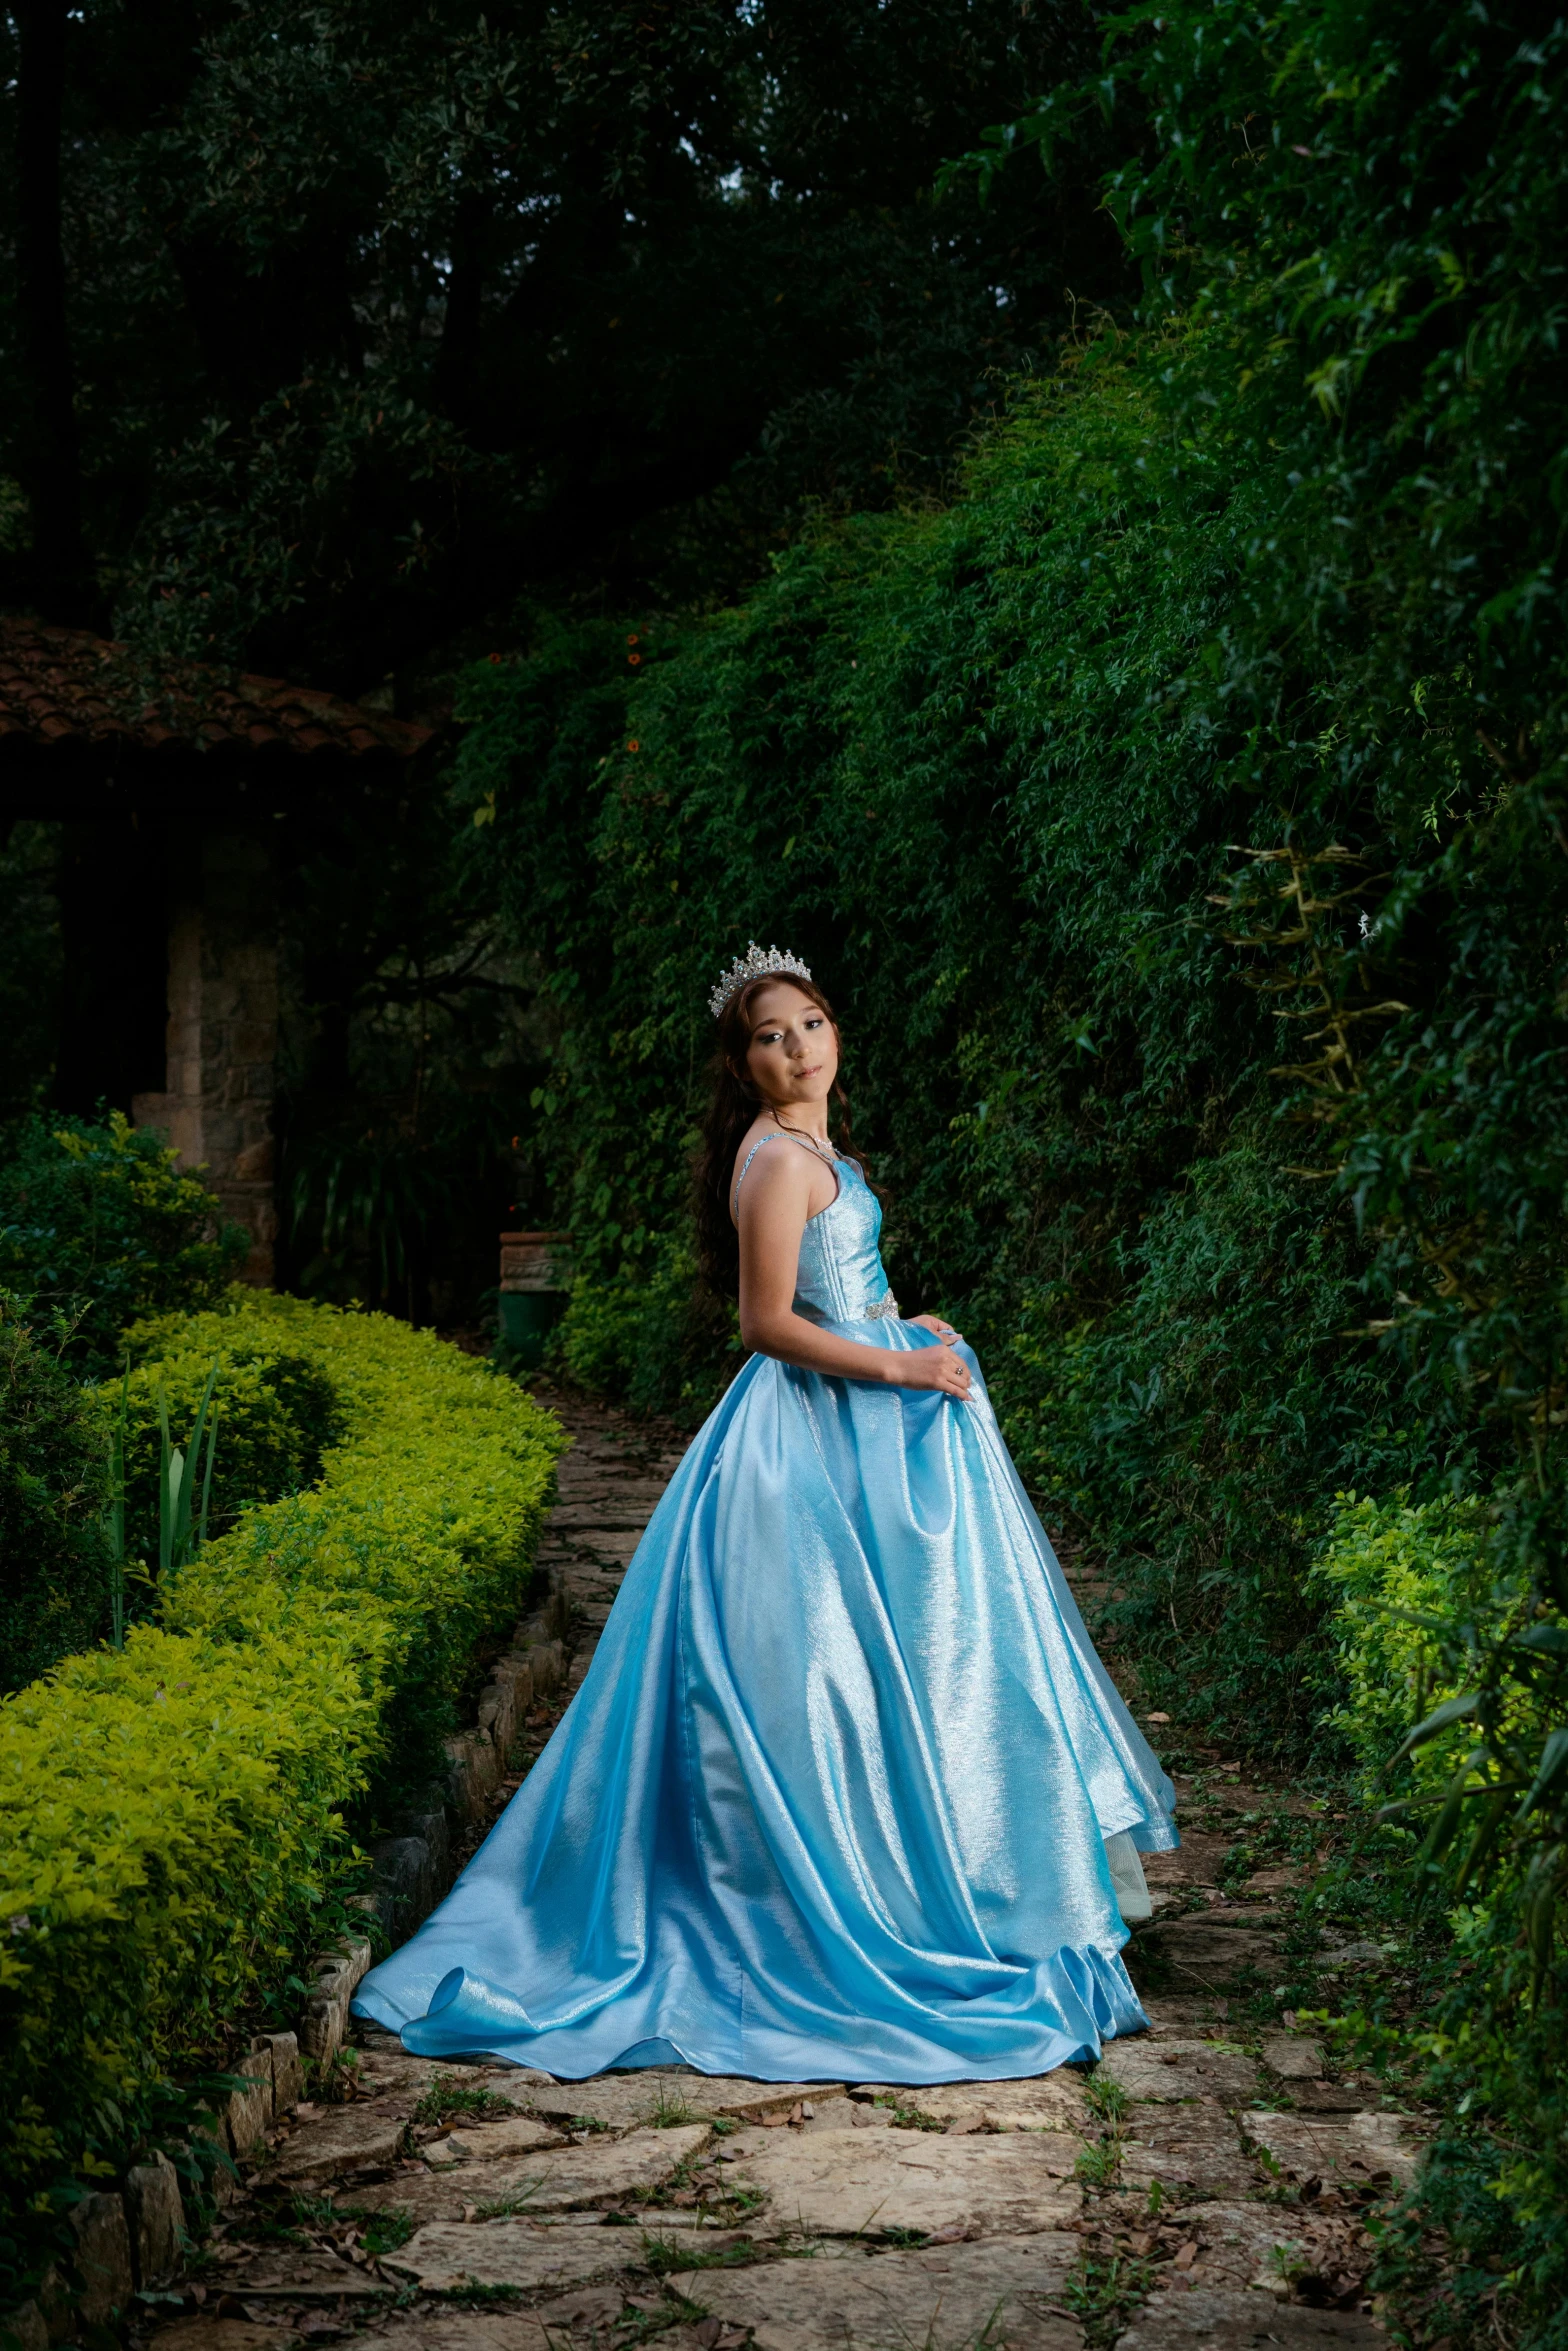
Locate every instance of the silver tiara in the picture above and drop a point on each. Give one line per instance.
(757, 963)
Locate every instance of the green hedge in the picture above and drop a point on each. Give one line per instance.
(172, 1816)
(1267, 570)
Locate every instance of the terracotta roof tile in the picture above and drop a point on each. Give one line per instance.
(64, 685)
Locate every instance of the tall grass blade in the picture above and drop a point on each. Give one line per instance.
(114, 1517)
(181, 1535)
(206, 1482)
(166, 1459)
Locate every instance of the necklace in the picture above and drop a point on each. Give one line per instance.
(822, 1150)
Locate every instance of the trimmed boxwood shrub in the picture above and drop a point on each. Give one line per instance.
(173, 1816)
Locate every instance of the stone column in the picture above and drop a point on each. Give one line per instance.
(223, 1029)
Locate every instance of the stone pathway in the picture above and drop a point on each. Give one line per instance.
(1205, 2186)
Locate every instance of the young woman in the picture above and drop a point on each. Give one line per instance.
(846, 1793)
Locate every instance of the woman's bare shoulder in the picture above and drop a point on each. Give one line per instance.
(756, 1134)
(784, 1168)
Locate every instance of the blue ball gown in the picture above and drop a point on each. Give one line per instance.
(835, 1798)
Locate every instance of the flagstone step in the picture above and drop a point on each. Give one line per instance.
(1176, 2070)
(1202, 2321)
(849, 2183)
(521, 2254)
(948, 2297)
(595, 2175)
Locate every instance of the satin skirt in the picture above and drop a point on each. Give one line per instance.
(832, 1800)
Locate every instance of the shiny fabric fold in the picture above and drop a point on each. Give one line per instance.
(832, 1800)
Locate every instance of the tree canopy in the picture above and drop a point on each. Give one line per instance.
(374, 312)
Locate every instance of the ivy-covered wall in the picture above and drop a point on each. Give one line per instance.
(1209, 732)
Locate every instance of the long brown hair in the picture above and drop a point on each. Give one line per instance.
(732, 1106)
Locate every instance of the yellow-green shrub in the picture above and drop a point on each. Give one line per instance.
(169, 1812)
(1403, 1576)
(171, 1815)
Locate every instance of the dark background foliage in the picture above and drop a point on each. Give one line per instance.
(342, 337)
(375, 312)
(98, 1226)
(54, 1483)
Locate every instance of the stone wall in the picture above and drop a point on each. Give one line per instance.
(216, 1107)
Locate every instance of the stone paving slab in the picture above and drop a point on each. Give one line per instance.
(1350, 2148)
(1053, 2102)
(1211, 1952)
(350, 2138)
(575, 2177)
(845, 2183)
(1193, 2147)
(390, 2071)
(618, 1548)
(1238, 2243)
(1195, 1862)
(223, 2334)
(589, 2312)
(623, 2100)
(484, 2142)
(1199, 2320)
(1330, 2097)
(1174, 2069)
(1182, 2016)
(293, 2273)
(517, 2253)
(1293, 2059)
(939, 2298)
(468, 2330)
(601, 1516)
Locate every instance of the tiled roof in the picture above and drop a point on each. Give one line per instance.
(66, 686)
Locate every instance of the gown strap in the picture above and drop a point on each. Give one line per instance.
(783, 1136)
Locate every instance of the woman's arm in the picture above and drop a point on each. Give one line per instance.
(775, 1201)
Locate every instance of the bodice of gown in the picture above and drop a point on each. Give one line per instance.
(840, 1276)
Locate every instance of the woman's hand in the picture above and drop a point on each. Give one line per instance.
(931, 1367)
(934, 1322)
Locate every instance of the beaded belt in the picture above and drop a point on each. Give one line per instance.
(885, 1310)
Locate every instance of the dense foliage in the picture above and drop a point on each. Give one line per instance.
(411, 1042)
(988, 766)
(371, 311)
(54, 1483)
(174, 1813)
(97, 1224)
(31, 961)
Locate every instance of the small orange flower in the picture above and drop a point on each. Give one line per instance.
(634, 745)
